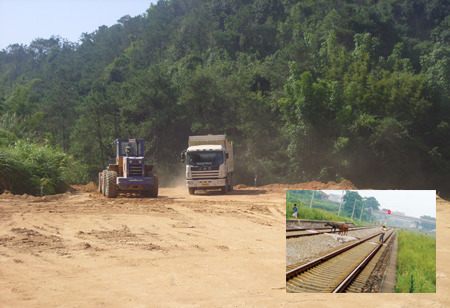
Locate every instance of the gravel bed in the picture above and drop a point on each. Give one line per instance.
(307, 248)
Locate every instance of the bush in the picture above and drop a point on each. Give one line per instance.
(35, 169)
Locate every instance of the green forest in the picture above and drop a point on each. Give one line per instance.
(307, 90)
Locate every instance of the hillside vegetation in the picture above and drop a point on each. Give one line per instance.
(307, 90)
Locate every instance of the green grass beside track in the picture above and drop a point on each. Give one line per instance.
(305, 212)
(416, 263)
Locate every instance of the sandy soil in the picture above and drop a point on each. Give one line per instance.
(81, 249)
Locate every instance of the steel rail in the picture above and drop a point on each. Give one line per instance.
(345, 281)
(321, 232)
(352, 276)
(328, 228)
(328, 256)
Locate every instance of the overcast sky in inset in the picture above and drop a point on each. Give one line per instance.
(22, 21)
(413, 203)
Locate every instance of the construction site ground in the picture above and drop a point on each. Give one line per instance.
(81, 249)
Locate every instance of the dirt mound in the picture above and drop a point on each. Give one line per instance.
(89, 187)
(314, 185)
(240, 186)
(5, 194)
(345, 184)
(8, 195)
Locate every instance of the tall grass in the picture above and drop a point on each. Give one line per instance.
(304, 212)
(35, 169)
(416, 263)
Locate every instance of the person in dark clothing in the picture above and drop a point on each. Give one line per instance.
(295, 213)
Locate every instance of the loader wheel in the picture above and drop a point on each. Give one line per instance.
(153, 191)
(111, 186)
(191, 190)
(104, 182)
(100, 182)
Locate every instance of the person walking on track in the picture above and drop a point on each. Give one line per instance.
(383, 232)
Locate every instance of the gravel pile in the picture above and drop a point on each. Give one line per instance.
(307, 248)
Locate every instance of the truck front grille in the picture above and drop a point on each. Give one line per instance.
(210, 174)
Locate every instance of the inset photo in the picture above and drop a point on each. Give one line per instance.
(361, 241)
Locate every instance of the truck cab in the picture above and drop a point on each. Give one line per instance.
(209, 163)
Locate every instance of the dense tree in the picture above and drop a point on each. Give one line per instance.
(307, 90)
(352, 204)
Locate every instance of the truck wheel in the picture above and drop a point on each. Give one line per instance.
(153, 191)
(100, 181)
(111, 186)
(191, 190)
(224, 189)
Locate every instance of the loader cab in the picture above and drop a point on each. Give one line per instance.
(125, 148)
(129, 172)
(129, 147)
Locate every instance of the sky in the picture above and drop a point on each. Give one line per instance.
(413, 203)
(22, 21)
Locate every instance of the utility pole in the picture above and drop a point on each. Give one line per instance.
(362, 210)
(342, 199)
(354, 203)
(312, 198)
(371, 212)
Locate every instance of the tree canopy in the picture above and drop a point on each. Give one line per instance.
(307, 90)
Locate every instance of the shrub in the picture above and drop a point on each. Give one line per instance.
(34, 169)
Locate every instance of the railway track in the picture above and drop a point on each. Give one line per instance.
(291, 233)
(345, 269)
(358, 284)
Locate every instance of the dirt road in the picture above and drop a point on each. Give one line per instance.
(81, 249)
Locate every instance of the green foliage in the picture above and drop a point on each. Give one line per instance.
(412, 288)
(21, 102)
(307, 90)
(304, 212)
(416, 263)
(322, 209)
(35, 169)
(428, 226)
(7, 138)
(304, 197)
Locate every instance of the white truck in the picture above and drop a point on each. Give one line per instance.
(209, 163)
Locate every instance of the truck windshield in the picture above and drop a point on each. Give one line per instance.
(204, 158)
